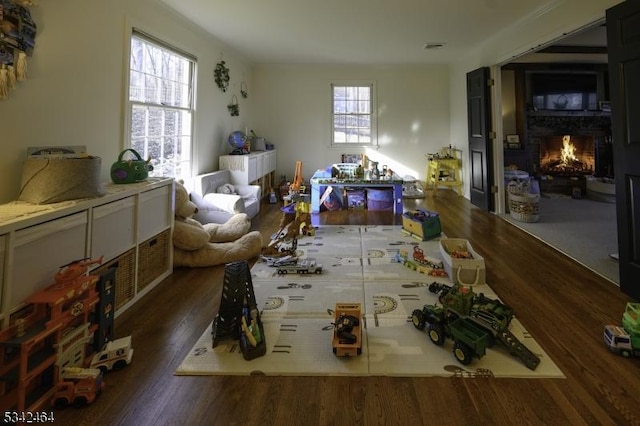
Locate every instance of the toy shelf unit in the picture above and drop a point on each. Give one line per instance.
(129, 228)
(256, 168)
(444, 169)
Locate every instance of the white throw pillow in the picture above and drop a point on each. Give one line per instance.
(227, 188)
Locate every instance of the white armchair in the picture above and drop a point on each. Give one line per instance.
(215, 206)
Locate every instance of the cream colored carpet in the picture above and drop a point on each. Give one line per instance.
(583, 229)
(358, 267)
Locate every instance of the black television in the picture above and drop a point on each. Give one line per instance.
(564, 91)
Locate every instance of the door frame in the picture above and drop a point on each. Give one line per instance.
(496, 111)
(498, 146)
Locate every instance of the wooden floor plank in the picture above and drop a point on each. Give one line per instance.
(563, 304)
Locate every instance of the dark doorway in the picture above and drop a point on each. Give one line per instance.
(480, 152)
(623, 36)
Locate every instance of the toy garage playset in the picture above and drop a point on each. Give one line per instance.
(59, 344)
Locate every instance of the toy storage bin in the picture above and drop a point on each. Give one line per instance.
(356, 199)
(465, 271)
(332, 198)
(40, 250)
(154, 213)
(380, 199)
(153, 259)
(422, 223)
(113, 228)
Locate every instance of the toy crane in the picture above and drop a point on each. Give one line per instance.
(296, 219)
(294, 188)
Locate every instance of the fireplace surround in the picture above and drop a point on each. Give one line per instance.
(567, 155)
(590, 136)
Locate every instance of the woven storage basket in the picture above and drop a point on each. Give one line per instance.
(153, 258)
(523, 206)
(125, 276)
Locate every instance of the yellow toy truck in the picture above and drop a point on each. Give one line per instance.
(347, 334)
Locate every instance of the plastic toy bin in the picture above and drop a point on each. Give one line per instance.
(356, 199)
(422, 223)
(380, 199)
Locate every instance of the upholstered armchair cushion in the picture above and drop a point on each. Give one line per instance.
(230, 203)
(215, 207)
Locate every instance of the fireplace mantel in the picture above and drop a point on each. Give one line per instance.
(564, 113)
(560, 122)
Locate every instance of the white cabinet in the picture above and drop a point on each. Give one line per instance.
(257, 168)
(250, 168)
(251, 172)
(129, 227)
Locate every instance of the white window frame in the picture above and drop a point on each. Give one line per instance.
(180, 168)
(372, 114)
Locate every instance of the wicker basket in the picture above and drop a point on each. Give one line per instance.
(153, 258)
(523, 206)
(125, 276)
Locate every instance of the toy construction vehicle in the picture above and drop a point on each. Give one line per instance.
(79, 386)
(308, 266)
(474, 323)
(347, 335)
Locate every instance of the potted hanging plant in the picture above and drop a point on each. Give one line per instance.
(221, 74)
(243, 90)
(233, 108)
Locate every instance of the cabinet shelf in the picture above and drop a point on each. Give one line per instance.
(257, 168)
(445, 172)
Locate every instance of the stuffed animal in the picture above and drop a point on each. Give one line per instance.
(198, 245)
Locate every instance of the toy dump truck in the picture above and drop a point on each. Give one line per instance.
(79, 386)
(474, 323)
(625, 339)
(347, 333)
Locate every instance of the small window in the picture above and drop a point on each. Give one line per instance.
(161, 105)
(353, 114)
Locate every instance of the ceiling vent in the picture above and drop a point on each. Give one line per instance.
(434, 45)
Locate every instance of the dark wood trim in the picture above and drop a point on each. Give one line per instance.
(568, 49)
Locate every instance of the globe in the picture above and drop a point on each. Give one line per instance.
(237, 140)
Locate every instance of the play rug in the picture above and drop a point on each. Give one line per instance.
(359, 266)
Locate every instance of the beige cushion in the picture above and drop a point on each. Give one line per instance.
(224, 202)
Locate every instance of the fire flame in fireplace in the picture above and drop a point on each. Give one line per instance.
(567, 153)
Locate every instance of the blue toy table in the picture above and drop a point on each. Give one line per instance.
(321, 180)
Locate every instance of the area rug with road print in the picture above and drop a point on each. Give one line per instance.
(360, 265)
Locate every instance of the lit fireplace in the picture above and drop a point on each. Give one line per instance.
(567, 155)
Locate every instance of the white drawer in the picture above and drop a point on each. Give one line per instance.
(40, 251)
(154, 214)
(113, 228)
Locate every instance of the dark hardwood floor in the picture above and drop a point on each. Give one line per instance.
(563, 305)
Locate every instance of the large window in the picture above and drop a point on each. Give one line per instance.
(161, 105)
(353, 114)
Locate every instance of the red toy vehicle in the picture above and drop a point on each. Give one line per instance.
(79, 386)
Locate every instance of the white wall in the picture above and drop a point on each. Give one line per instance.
(293, 107)
(556, 19)
(75, 91)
